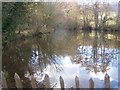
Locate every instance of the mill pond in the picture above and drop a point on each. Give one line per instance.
(69, 48)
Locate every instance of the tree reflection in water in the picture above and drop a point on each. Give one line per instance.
(96, 57)
(92, 50)
(42, 34)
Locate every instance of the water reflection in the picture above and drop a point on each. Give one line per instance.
(71, 70)
(87, 55)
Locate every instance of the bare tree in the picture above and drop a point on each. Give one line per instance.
(118, 15)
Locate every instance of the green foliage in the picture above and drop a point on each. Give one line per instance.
(12, 14)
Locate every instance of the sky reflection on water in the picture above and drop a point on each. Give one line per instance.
(86, 55)
(70, 70)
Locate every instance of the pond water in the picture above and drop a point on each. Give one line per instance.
(64, 53)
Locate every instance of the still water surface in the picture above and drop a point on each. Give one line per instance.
(64, 53)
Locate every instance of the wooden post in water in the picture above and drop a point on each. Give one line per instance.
(77, 83)
(107, 81)
(4, 82)
(91, 84)
(33, 82)
(47, 81)
(18, 81)
(61, 83)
